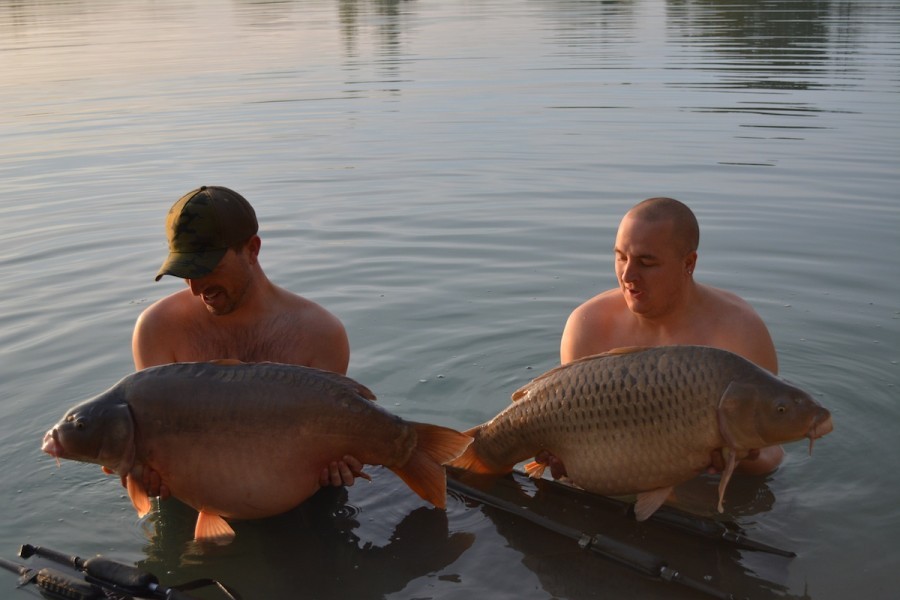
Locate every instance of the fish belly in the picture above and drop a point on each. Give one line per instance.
(254, 447)
(618, 430)
(246, 477)
(625, 468)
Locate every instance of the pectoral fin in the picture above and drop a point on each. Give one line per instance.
(212, 528)
(726, 475)
(535, 469)
(138, 495)
(648, 502)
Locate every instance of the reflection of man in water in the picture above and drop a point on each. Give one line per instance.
(659, 303)
(309, 551)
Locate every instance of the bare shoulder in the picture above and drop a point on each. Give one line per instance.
(739, 328)
(600, 305)
(153, 341)
(307, 313)
(315, 327)
(589, 327)
(728, 305)
(168, 308)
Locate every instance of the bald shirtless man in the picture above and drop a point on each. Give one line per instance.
(659, 303)
(230, 309)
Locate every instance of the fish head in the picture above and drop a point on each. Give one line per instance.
(766, 411)
(99, 431)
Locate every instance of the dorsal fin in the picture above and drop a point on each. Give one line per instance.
(624, 350)
(339, 379)
(520, 393)
(227, 361)
(336, 378)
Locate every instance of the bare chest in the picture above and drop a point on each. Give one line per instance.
(700, 332)
(265, 342)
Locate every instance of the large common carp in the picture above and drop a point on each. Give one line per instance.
(642, 420)
(246, 441)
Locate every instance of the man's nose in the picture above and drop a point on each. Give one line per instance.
(194, 285)
(629, 271)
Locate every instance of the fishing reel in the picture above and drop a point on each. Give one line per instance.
(101, 579)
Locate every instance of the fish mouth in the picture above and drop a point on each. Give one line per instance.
(51, 444)
(821, 425)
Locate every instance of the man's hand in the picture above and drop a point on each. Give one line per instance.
(342, 472)
(153, 484)
(762, 461)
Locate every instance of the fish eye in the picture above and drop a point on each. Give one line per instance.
(79, 424)
(782, 409)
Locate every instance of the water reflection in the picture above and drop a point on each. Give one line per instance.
(757, 46)
(312, 551)
(763, 46)
(592, 27)
(746, 69)
(389, 24)
(565, 571)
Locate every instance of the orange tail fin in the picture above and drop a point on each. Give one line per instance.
(424, 472)
(472, 461)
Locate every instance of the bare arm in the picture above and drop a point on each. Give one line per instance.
(333, 353)
(741, 330)
(152, 340)
(584, 333)
(761, 350)
(573, 339)
(749, 337)
(145, 351)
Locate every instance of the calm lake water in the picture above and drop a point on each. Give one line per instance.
(447, 177)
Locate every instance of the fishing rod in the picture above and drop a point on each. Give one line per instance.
(629, 556)
(54, 584)
(102, 577)
(714, 530)
(710, 529)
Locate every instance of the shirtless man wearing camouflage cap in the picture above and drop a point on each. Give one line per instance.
(230, 309)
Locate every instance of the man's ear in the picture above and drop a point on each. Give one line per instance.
(690, 262)
(252, 247)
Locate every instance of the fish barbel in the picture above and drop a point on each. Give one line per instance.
(642, 420)
(246, 441)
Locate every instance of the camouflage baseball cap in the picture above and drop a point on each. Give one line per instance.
(202, 226)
